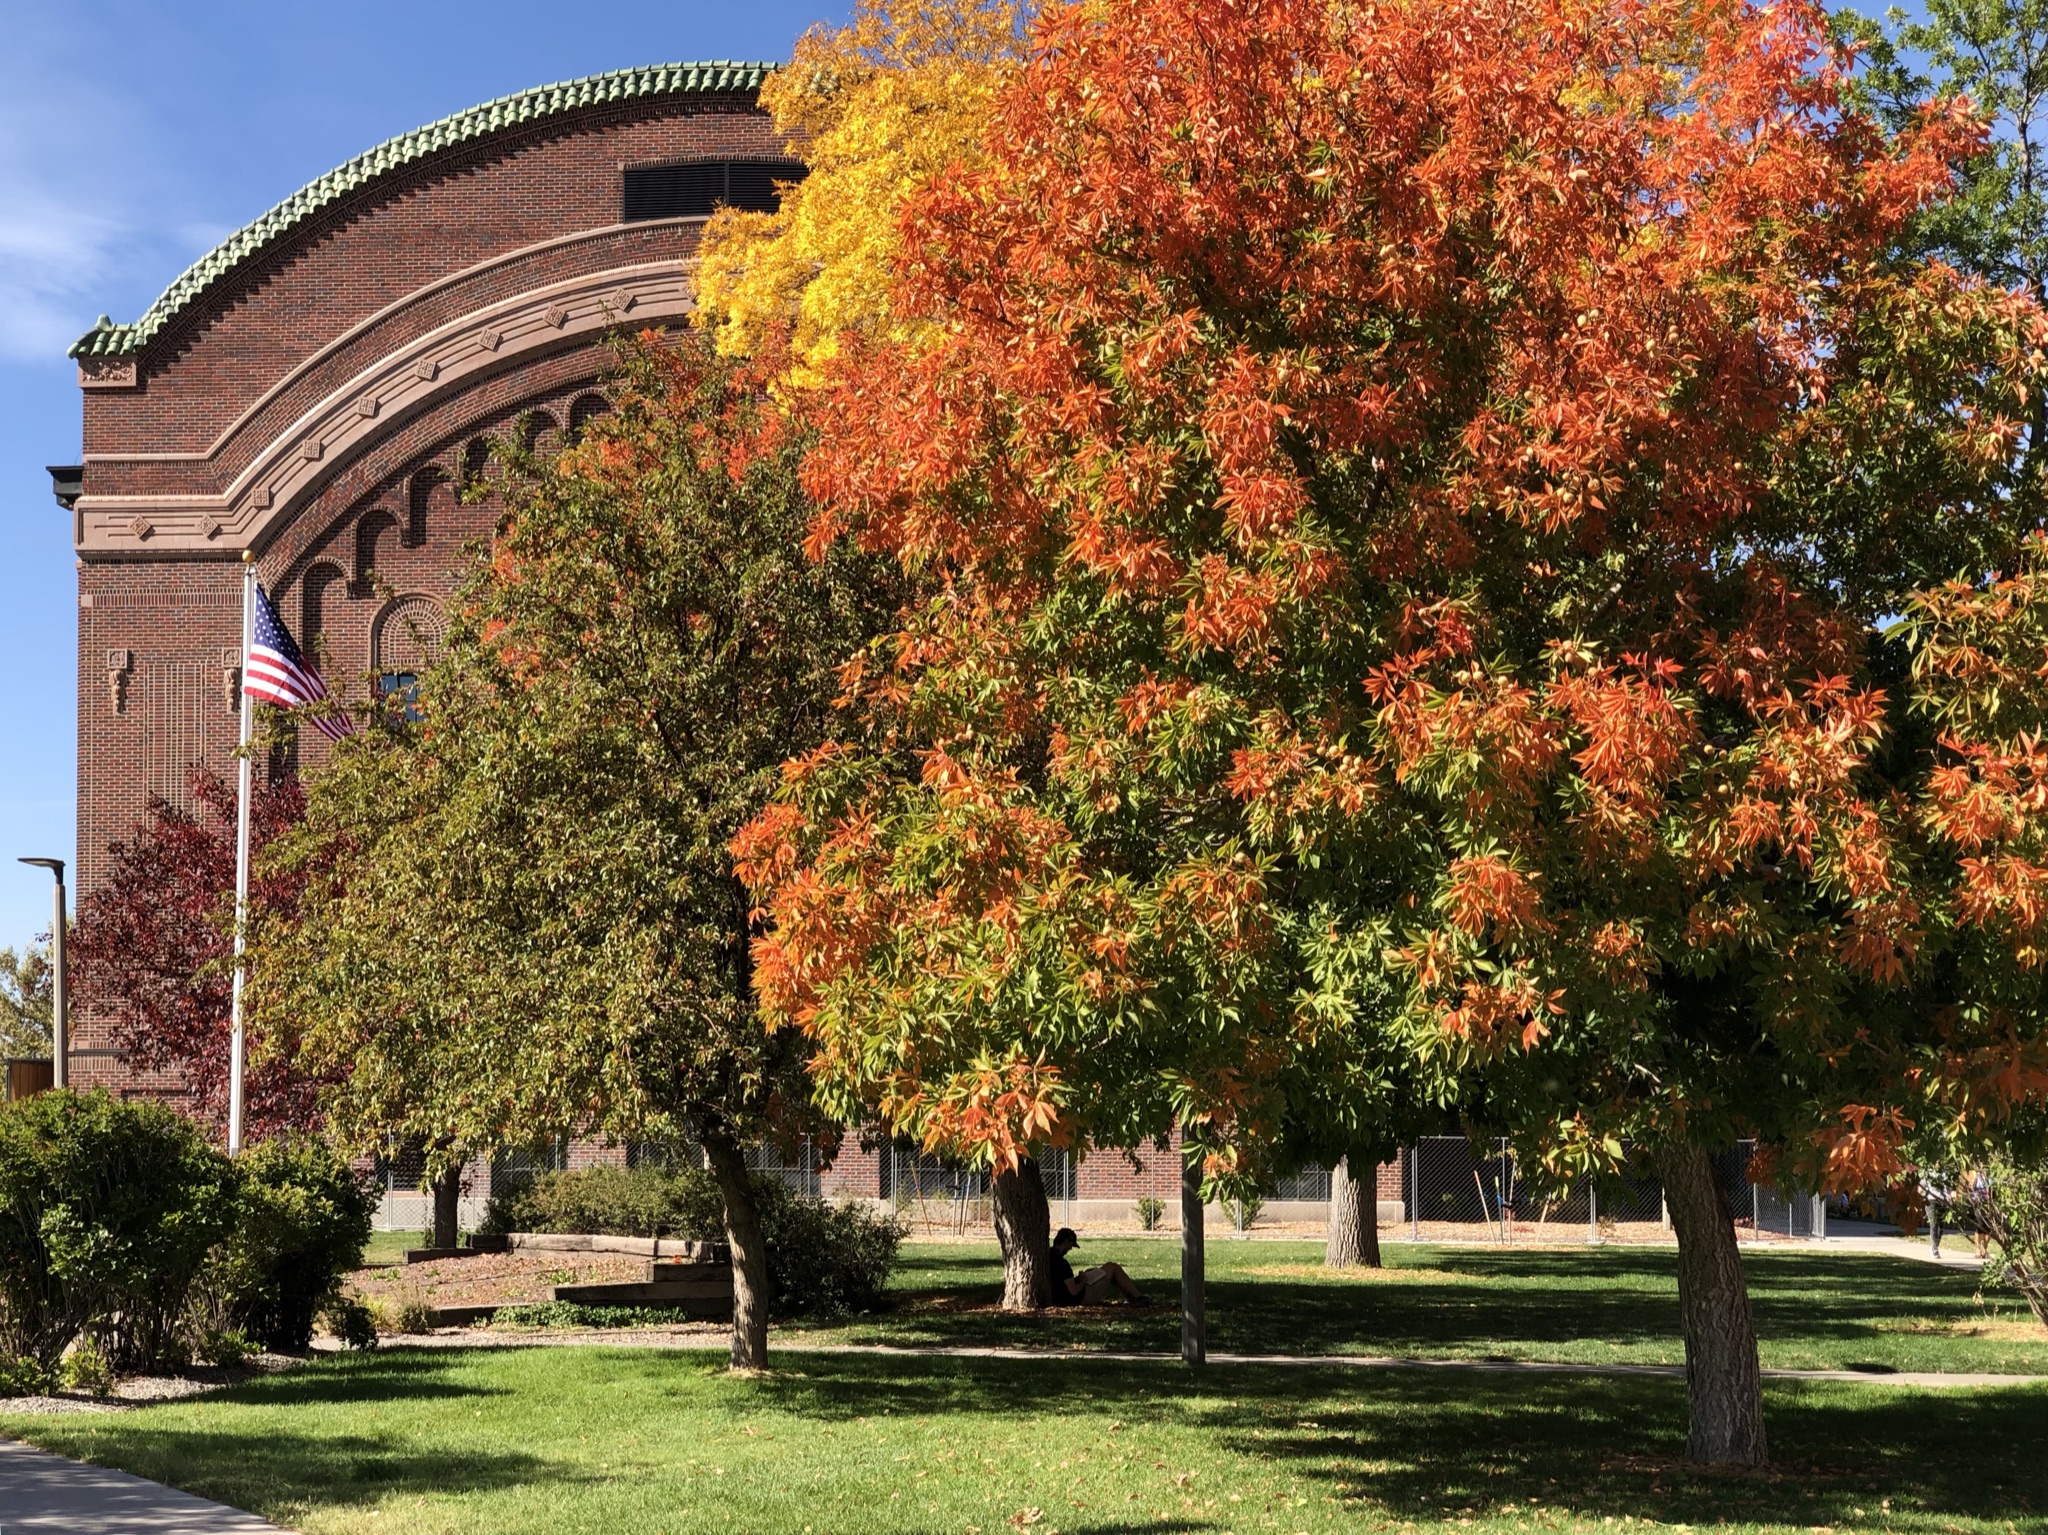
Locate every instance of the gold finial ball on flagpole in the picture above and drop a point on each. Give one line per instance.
(248, 556)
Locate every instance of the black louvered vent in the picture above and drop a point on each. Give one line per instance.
(694, 188)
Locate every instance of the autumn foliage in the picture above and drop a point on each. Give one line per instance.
(151, 946)
(875, 109)
(1417, 494)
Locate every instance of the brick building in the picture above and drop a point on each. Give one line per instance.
(316, 390)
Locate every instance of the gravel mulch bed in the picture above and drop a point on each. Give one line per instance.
(143, 1390)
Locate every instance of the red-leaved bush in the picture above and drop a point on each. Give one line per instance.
(152, 947)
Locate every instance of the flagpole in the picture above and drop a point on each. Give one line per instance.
(237, 1042)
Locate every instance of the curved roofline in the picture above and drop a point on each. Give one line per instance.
(106, 339)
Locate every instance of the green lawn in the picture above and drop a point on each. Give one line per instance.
(1592, 1305)
(388, 1247)
(593, 1441)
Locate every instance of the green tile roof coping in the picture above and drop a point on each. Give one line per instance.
(106, 339)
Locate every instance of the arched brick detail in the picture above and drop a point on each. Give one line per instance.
(430, 498)
(584, 409)
(407, 634)
(323, 585)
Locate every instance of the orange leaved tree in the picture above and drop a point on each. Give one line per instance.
(1421, 501)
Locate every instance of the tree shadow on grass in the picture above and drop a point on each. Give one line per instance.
(385, 1375)
(1593, 1305)
(1426, 1444)
(1846, 1455)
(284, 1468)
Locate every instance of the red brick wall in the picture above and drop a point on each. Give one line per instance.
(451, 234)
(381, 247)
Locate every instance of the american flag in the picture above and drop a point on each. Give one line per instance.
(276, 673)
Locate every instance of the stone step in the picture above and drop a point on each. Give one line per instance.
(435, 1254)
(463, 1316)
(663, 1271)
(645, 1247)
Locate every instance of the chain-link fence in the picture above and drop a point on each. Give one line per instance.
(1459, 1190)
(932, 1195)
(798, 1170)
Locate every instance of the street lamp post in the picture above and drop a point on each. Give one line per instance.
(60, 1021)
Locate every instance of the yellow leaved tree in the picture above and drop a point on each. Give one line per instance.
(875, 110)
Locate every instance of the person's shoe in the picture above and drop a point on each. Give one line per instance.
(1143, 1300)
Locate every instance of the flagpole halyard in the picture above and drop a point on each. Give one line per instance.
(237, 1038)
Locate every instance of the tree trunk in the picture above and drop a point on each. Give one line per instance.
(447, 1207)
(749, 1249)
(1723, 1388)
(1354, 1239)
(1024, 1232)
(1194, 1340)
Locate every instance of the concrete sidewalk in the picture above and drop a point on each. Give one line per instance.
(44, 1494)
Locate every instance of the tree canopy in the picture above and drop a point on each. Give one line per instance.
(531, 927)
(26, 1001)
(876, 109)
(1416, 496)
(1988, 58)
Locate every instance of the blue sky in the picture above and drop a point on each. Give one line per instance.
(134, 137)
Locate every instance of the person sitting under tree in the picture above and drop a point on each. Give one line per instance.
(1090, 1287)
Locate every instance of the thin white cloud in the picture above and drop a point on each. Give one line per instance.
(54, 259)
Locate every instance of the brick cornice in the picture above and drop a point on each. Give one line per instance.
(287, 473)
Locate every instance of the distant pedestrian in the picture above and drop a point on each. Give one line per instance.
(1936, 1190)
(1980, 1210)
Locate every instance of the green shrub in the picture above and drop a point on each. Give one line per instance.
(416, 1316)
(87, 1368)
(2011, 1209)
(227, 1349)
(611, 1201)
(822, 1259)
(23, 1376)
(1150, 1211)
(563, 1313)
(303, 1223)
(107, 1212)
(354, 1323)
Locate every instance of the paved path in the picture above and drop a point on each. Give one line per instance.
(44, 1494)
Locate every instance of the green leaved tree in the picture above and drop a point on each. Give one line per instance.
(25, 1001)
(1988, 58)
(532, 927)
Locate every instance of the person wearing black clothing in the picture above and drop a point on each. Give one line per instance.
(1090, 1287)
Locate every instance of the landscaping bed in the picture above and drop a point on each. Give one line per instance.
(146, 1390)
(489, 1279)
